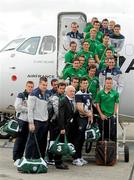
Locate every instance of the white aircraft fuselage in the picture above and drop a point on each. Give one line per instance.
(28, 58)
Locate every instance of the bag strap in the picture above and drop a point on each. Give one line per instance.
(65, 139)
(57, 139)
(88, 147)
(38, 149)
(36, 142)
(88, 125)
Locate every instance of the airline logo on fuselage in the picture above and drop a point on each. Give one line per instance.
(130, 67)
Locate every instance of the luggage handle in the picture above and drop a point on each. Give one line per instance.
(103, 130)
(109, 120)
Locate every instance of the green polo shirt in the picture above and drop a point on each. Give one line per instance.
(100, 50)
(71, 72)
(83, 70)
(66, 67)
(93, 44)
(93, 85)
(107, 101)
(88, 27)
(87, 55)
(102, 65)
(61, 97)
(99, 36)
(69, 56)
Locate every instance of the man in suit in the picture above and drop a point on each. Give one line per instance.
(67, 115)
(66, 119)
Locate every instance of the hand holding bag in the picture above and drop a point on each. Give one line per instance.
(64, 148)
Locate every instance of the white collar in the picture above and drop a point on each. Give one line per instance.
(70, 99)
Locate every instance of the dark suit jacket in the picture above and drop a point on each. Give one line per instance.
(66, 114)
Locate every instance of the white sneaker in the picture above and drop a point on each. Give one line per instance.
(77, 162)
(50, 162)
(16, 162)
(84, 161)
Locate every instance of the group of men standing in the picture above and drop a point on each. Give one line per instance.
(95, 82)
(61, 110)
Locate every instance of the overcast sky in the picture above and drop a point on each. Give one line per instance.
(18, 15)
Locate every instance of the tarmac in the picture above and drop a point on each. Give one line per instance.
(91, 171)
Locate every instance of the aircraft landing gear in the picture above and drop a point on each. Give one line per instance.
(126, 153)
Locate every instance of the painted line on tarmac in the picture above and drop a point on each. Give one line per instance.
(131, 173)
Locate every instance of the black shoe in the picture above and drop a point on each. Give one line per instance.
(62, 166)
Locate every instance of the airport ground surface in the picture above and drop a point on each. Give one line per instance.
(121, 171)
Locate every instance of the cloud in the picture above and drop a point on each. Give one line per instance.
(19, 15)
(31, 5)
(39, 6)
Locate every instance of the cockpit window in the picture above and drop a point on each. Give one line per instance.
(13, 44)
(30, 46)
(47, 45)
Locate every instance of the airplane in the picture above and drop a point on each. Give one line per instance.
(40, 51)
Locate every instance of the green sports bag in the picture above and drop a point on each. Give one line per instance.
(64, 148)
(33, 165)
(92, 132)
(11, 127)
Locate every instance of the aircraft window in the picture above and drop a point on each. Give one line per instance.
(13, 44)
(47, 45)
(30, 46)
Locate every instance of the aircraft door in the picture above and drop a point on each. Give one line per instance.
(64, 26)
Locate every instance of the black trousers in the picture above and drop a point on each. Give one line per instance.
(80, 138)
(104, 128)
(21, 140)
(41, 132)
(54, 132)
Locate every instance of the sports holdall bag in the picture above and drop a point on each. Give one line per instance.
(59, 148)
(11, 127)
(92, 132)
(72, 150)
(33, 165)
